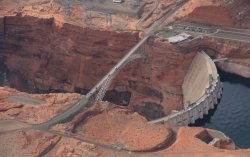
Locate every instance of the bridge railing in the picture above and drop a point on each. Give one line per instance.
(131, 55)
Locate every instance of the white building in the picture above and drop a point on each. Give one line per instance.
(179, 38)
(117, 1)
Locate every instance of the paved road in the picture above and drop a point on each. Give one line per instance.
(230, 35)
(85, 102)
(24, 100)
(12, 125)
(241, 35)
(66, 115)
(157, 25)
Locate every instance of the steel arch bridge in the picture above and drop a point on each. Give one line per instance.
(97, 93)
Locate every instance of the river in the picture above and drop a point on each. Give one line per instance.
(232, 115)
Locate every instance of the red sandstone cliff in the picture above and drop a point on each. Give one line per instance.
(41, 54)
(44, 53)
(111, 125)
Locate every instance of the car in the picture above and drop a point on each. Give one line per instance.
(117, 1)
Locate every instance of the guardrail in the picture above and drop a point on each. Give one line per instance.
(196, 110)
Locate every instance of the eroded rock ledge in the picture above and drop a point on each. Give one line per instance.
(41, 50)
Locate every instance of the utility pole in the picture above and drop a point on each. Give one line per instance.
(51, 3)
(137, 3)
(66, 7)
(88, 16)
(19, 7)
(109, 19)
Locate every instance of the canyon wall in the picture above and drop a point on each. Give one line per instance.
(2, 29)
(238, 53)
(43, 54)
(51, 56)
(212, 14)
(231, 13)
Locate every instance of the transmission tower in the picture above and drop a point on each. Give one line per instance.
(88, 16)
(66, 7)
(109, 18)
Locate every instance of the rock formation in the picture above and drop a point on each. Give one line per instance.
(44, 52)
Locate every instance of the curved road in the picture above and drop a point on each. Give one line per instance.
(86, 102)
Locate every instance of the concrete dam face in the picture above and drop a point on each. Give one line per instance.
(201, 91)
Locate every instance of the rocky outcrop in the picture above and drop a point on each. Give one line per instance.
(34, 114)
(196, 141)
(60, 50)
(6, 107)
(191, 6)
(29, 143)
(159, 79)
(225, 13)
(120, 129)
(189, 142)
(154, 11)
(239, 12)
(124, 129)
(236, 52)
(74, 148)
(236, 68)
(46, 55)
(42, 50)
(214, 14)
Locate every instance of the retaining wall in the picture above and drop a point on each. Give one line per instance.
(201, 106)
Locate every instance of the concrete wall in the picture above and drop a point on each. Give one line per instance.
(197, 79)
(204, 103)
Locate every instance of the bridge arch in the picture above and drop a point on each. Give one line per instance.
(98, 92)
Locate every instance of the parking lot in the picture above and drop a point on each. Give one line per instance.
(130, 8)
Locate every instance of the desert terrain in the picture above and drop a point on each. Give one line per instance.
(50, 60)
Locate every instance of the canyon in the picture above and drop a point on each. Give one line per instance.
(51, 61)
(73, 58)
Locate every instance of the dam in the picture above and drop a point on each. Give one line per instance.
(201, 89)
(97, 78)
(232, 113)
